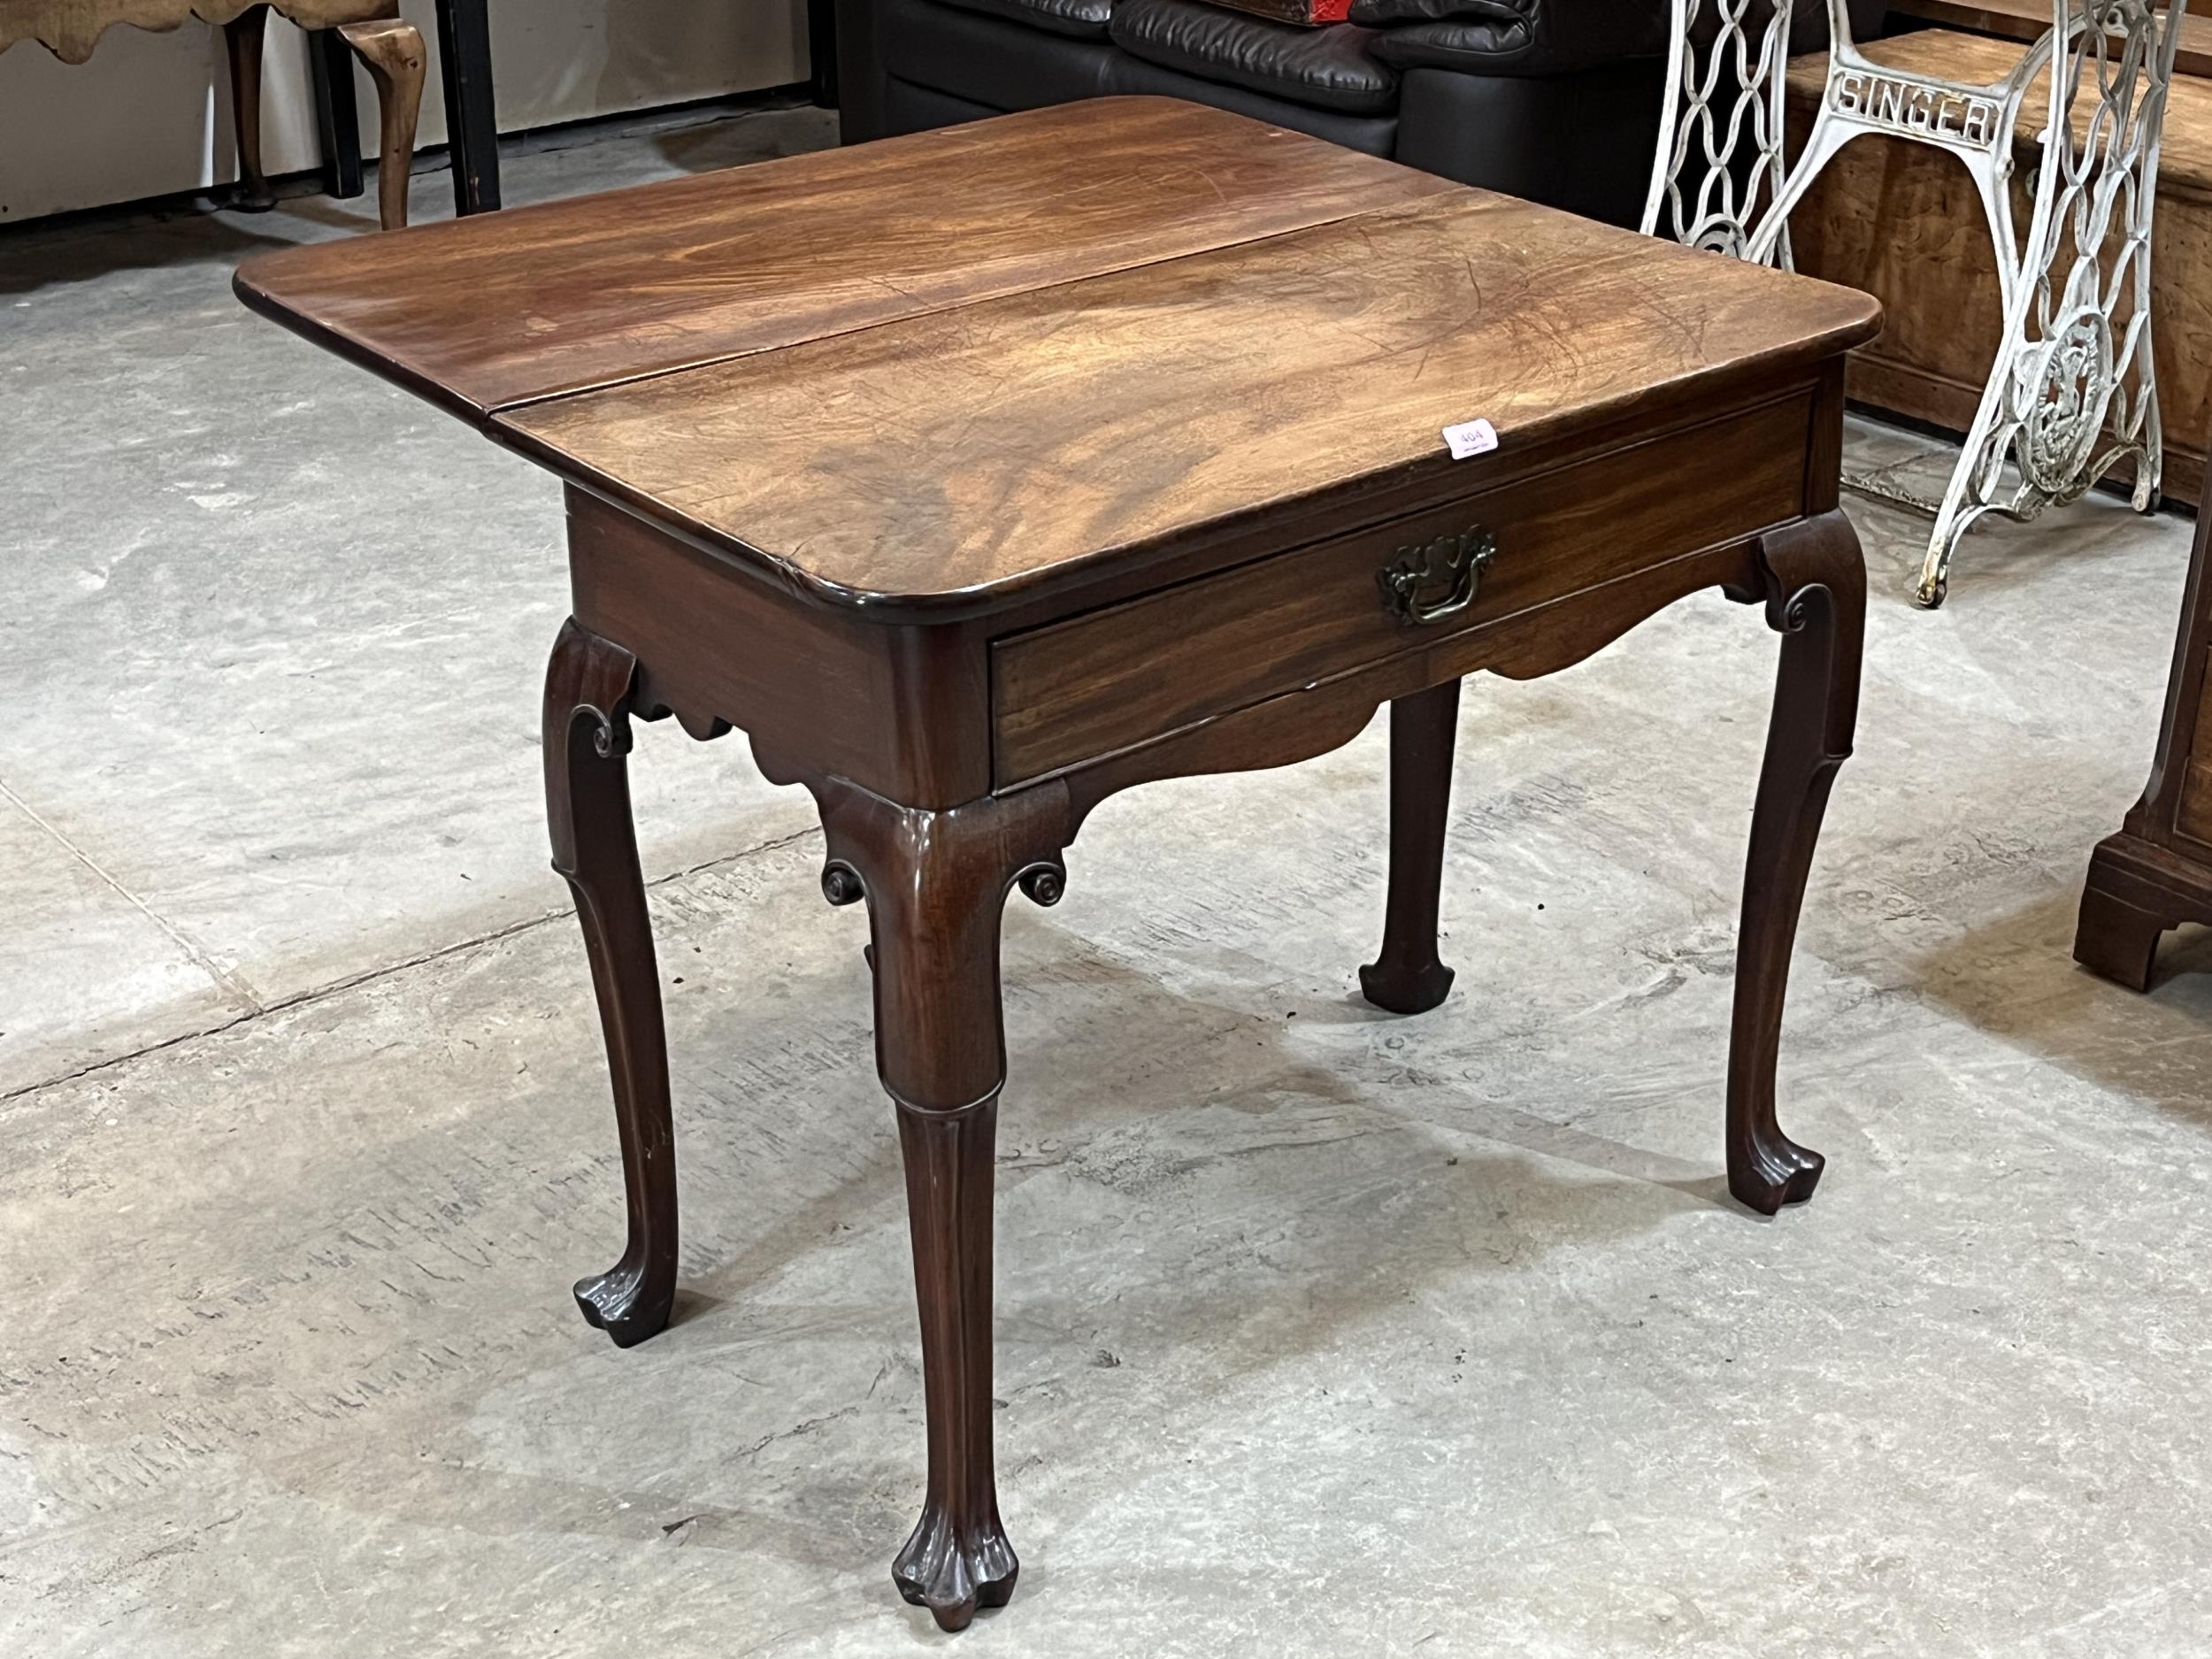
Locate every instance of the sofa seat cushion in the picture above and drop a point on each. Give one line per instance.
(1085, 20)
(1324, 68)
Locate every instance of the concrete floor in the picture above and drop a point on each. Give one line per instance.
(1318, 1331)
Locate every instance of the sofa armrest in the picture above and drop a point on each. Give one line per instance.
(1579, 142)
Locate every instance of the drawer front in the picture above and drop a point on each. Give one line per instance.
(1071, 691)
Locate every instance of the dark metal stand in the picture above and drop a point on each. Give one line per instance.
(464, 54)
(821, 53)
(337, 116)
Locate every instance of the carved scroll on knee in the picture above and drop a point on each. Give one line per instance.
(842, 884)
(1814, 577)
(588, 683)
(1044, 883)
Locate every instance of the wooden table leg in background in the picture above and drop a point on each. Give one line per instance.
(2155, 871)
(242, 40)
(464, 61)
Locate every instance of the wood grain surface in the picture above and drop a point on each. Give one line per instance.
(952, 460)
(2027, 21)
(481, 314)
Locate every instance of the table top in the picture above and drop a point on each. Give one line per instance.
(956, 369)
(481, 315)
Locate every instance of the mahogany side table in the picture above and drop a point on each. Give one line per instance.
(978, 474)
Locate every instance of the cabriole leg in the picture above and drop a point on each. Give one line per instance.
(587, 689)
(935, 883)
(241, 39)
(957, 1558)
(393, 53)
(1816, 599)
(1407, 978)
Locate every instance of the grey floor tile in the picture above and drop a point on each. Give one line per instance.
(85, 973)
(314, 612)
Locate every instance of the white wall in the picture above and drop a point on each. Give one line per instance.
(150, 113)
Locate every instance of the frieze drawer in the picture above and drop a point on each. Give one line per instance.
(1117, 677)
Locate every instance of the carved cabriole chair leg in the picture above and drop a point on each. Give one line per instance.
(1816, 598)
(1407, 978)
(587, 689)
(935, 884)
(393, 53)
(242, 40)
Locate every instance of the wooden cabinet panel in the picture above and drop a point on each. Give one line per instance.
(2155, 871)
(2193, 814)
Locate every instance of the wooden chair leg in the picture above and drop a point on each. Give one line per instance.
(587, 811)
(935, 884)
(1816, 594)
(241, 39)
(1407, 978)
(393, 53)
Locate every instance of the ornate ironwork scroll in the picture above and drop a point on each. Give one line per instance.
(2071, 393)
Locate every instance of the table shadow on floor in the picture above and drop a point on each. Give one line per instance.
(1242, 1149)
(2015, 979)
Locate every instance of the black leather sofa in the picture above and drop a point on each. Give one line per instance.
(1554, 100)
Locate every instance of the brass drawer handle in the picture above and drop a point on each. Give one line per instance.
(1461, 558)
